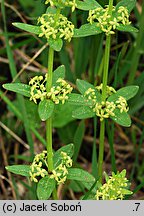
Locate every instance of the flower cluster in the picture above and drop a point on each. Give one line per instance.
(122, 104)
(90, 95)
(60, 173)
(62, 3)
(39, 161)
(115, 187)
(105, 109)
(60, 93)
(57, 94)
(53, 27)
(109, 89)
(108, 23)
(38, 89)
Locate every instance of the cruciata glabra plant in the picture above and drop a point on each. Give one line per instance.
(50, 168)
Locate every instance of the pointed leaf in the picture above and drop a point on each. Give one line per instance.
(127, 28)
(83, 113)
(129, 4)
(29, 28)
(23, 170)
(45, 109)
(83, 86)
(80, 175)
(79, 100)
(56, 44)
(87, 4)
(20, 88)
(87, 30)
(45, 188)
(122, 119)
(58, 73)
(127, 92)
(69, 149)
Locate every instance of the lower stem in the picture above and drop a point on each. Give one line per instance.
(49, 121)
(101, 150)
(104, 95)
(49, 144)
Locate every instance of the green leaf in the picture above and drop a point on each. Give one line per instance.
(78, 100)
(127, 28)
(45, 188)
(45, 109)
(52, 10)
(20, 88)
(80, 175)
(29, 28)
(87, 30)
(58, 73)
(129, 4)
(83, 113)
(127, 92)
(56, 44)
(23, 170)
(83, 86)
(122, 119)
(69, 149)
(62, 115)
(87, 4)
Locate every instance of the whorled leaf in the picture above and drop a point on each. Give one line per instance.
(80, 175)
(27, 27)
(87, 4)
(122, 119)
(83, 112)
(87, 30)
(127, 92)
(78, 100)
(58, 73)
(45, 109)
(56, 44)
(20, 88)
(23, 170)
(127, 28)
(45, 188)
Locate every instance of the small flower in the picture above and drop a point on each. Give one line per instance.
(58, 94)
(121, 103)
(108, 23)
(61, 3)
(54, 28)
(115, 187)
(60, 172)
(36, 167)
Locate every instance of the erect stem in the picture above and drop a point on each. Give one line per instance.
(49, 121)
(104, 88)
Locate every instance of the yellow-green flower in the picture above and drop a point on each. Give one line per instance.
(62, 3)
(115, 188)
(53, 27)
(108, 23)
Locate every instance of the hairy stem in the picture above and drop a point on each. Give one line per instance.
(105, 80)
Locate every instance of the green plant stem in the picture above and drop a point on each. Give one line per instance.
(105, 79)
(49, 121)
